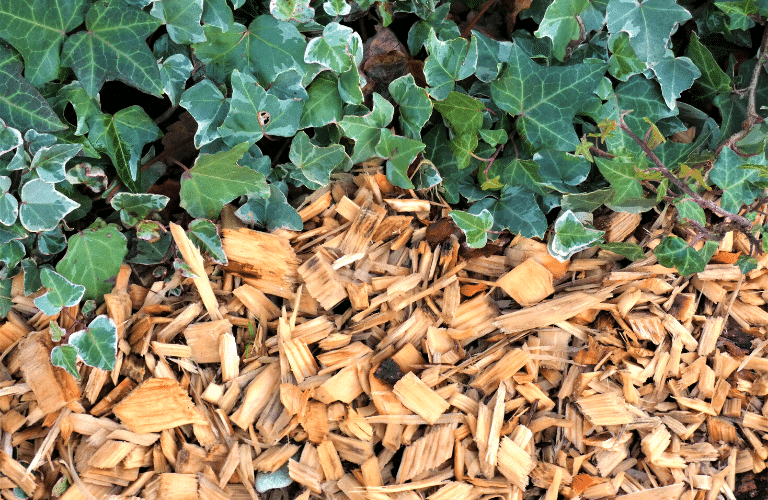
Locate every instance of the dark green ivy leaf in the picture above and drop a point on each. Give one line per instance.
(273, 212)
(675, 252)
(316, 163)
(515, 210)
(366, 130)
(746, 264)
(734, 180)
(401, 151)
(208, 107)
(113, 47)
(631, 251)
(414, 105)
(447, 63)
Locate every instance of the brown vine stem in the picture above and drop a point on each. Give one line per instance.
(752, 116)
(742, 223)
(479, 15)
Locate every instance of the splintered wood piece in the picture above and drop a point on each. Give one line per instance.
(257, 395)
(526, 248)
(180, 322)
(260, 255)
(359, 235)
(321, 200)
(194, 260)
(174, 486)
(713, 327)
(230, 361)
(275, 457)
(110, 454)
(203, 339)
(330, 461)
(419, 398)
(488, 380)
(551, 312)
(139, 410)
(647, 327)
(322, 281)
(17, 473)
(427, 452)
(528, 284)
(256, 302)
(514, 462)
(300, 359)
(53, 387)
(344, 386)
(618, 225)
(605, 409)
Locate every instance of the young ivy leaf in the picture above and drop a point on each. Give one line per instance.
(571, 236)
(93, 258)
(42, 207)
(475, 227)
(203, 233)
(746, 264)
(336, 8)
(9, 207)
(620, 173)
(631, 251)
(65, 356)
(61, 293)
(97, 344)
(217, 179)
(736, 182)
(675, 252)
(273, 212)
(401, 152)
(56, 331)
(135, 207)
(292, 10)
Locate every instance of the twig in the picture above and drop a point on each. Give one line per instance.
(752, 116)
(474, 21)
(744, 224)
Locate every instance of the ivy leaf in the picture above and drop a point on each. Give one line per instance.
(746, 264)
(287, 85)
(11, 253)
(426, 175)
(643, 97)
(217, 13)
(32, 282)
(97, 344)
(324, 104)
(463, 112)
(42, 207)
(65, 356)
(217, 179)
(135, 207)
(366, 130)
(9, 206)
(316, 163)
(631, 251)
(515, 210)
(336, 8)
(463, 146)
(675, 252)
(151, 253)
(734, 180)
(122, 137)
(61, 293)
(571, 236)
(339, 49)
(93, 258)
(560, 24)
(475, 227)
(49, 161)
(491, 54)
(266, 48)
(620, 173)
(675, 75)
(113, 47)
(174, 73)
(649, 24)
(51, 242)
(273, 212)
(623, 62)
(208, 107)
(21, 105)
(10, 138)
(181, 19)
(292, 10)
(56, 332)
(713, 80)
(37, 28)
(546, 99)
(5, 297)
(413, 103)
(447, 63)
(401, 152)
(204, 234)
(560, 170)
(253, 113)
(689, 209)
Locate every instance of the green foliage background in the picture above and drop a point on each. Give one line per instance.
(515, 133)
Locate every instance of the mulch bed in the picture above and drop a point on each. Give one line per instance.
(374, 355)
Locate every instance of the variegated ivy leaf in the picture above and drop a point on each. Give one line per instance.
(135, 207)
(42, 207)
(97, 344)
(571, 236)
(61, 293)
(65, 356)
(204, 234)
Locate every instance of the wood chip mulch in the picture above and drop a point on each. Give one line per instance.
(375, 356)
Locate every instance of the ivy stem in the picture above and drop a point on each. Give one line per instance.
(752, 116)
(744, 224)
(600, 152)
(479, 15)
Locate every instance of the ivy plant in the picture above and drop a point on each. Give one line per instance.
(252, 102)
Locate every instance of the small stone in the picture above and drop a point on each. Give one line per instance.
(266, 481)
